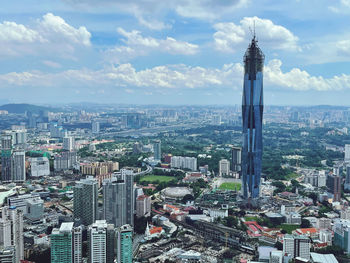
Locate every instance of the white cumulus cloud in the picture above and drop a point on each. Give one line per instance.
(49, 35)
(167, 78)
(229, 36)
(138, 45)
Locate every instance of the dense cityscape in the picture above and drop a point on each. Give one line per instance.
(143, 147)
(132, 183)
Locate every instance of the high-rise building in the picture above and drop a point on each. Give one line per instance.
(13, 218)
(342, 234)
(62, 243)
(39, 166)
(78, 244)
(66, 244)
(68, 143)
(347, 178)
(65, 161)
(118, 199)
(236, 159)
(334, 186)
(296, 246)
(95, 127)
(85, 201)
(6, 157)
(347, 153)
(101, 245)
(143, 206)
(157, 150)
(184, 162)
(18, 169)
(224, 167)
(124, 244)
(252, 116)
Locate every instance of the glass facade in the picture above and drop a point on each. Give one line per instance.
(252, 116)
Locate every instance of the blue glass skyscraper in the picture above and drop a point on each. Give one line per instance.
(252, 115)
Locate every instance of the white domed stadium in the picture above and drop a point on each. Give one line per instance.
(175, 193)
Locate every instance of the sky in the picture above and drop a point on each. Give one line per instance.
(172, 51)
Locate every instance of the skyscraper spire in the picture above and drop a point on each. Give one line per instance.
(252, 115)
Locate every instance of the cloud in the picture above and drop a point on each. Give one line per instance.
(342, 6)
(171, 78)
(301, 80)
(138, 45)
(50, 35)
(229, 37)
(146, 10)
(343, 48)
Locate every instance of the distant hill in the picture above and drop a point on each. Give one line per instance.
(22, 108)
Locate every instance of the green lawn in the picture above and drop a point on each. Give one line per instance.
(251, 218)
(230, 186)
(155, 178)
(288, 228)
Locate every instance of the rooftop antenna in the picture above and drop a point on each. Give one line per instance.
(253, 31)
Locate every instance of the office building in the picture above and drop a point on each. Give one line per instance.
(85, 201)
(13, 218)
(20, 201)
(66, 243)
(65, 161)
(77, 244)
(347, 153)
(35, 209)
(18, 169)
(6, 154)
(236, 159)
(57, 131)
(118, 199)
(342, 234)
(101, 242)
(143, 206)
(252, 116)
(157, 150)
(95, 127)
(62, 243)
(347, 178)
(189, 163)
(39, 166)
(322, 179)
(334, 186)
(99, 168)
(124, 244)
(224, 167)
(296, 246)
(68, 143)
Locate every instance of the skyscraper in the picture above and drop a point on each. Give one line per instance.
(6, 155)
(68, 143)
(118, 199)
(85, 202)
(101, 245)
(347, 153)
(12, 222)
(95, 127)
(157, 150)
(334, 186)
(18, 169)
(252, 115)
(61, 244)
(124, 244)
(236, 159)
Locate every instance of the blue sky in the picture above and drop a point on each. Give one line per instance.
(173, 51)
